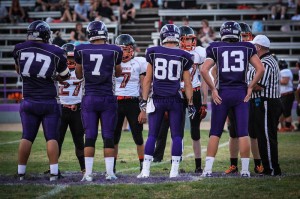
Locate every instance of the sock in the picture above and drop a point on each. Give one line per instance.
(209, 161)
(141, 163)
(89, 161)
(198, 163)
(109, 165)
(234, 161)
(81, 162)
(245, 164)
(257, 162)
(175, 164)
(288, 124)
(147, 164)
(21, 169)
(54, 169)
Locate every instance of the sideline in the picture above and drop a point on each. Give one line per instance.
(56, 190)
(12, 142)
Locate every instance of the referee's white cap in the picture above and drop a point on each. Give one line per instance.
(262, 40)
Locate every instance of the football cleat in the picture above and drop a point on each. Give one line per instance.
(259, 169)
(88, 178)
(54, 177)
(21, 176)
(245, 174)
(111, 177)
(232, 169)
(198, 170)
(143, 175)
(206, 174)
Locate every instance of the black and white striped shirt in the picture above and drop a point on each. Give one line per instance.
(250, 75)
(270, 80)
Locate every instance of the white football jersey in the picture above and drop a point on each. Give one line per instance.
(70, 91)
(199, 57)
(288, 87)
(129, 83)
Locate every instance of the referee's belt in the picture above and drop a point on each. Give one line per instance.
(73, 107)
(194, 89)
(125, 97)
(287, 93)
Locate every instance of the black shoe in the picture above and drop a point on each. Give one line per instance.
(157, 160)
(198, 170)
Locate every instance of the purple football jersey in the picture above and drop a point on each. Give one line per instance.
(232, 60)
(38, 63)
(168, 66)
(98, 65)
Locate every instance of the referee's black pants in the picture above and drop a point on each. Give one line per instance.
(72, 119)
(266, 117)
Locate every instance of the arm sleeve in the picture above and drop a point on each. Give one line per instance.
(210, 54)
(77, 56)
(149, 57)
(16, 55)
(188, 63)
(62, 67)
(119, 56)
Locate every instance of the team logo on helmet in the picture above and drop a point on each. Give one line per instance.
(230, 30)
(169, 33)
(39, 31)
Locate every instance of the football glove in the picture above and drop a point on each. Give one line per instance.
(203, 111)
(192, 111)
(143, 104)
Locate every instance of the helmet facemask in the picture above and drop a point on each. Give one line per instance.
(186, 44)
(246, 36)
(71, 62)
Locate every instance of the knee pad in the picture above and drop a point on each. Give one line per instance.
(108, 143)
(138, 139)
(89, 142)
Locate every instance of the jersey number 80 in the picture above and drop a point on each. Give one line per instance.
(165, 69)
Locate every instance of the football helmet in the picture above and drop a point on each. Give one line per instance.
(97, 30)
(69, 49)
(187, 32)
(246, 32)
(39, 31)
(127, 43)
(230, 30)
(169, 33)
(282, 64)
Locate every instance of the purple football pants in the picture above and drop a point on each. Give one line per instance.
(94, 108)
(174, 106)
(33, 113)
(231, 98)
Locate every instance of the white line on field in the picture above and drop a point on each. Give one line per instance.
(164, 162)
(12, 142)
(57, 189)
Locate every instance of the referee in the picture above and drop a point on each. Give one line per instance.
(267, 108)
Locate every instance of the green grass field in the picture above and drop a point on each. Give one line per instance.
(286, 186)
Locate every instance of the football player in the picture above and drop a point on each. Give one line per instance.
(128, 92)
(231, 91)
(246, 35)
(188, 43)
(40, 64)
(167, 65)
(70, 94)
(98, 63)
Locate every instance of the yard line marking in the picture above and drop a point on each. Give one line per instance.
(57, 189)
(164, 162)
(12, 142)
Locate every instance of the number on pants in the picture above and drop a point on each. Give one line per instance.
(98, 58)
(161, 69)
(29, 57)
(238, 58)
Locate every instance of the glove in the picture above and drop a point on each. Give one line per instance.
(143, 104)
(203, 111)
(192, 111)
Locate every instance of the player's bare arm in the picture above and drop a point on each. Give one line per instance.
(142, 116)
(78, 71)
(17, 68)
(207, 65)
(188, 87)
(256, 63)
(118, 71)
(147, 82)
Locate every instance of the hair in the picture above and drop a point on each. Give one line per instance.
(205, 21)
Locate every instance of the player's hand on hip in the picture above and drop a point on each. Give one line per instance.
(142, 117)
(203, 111)
(215, 97)
(248, 96)
(192, 111)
